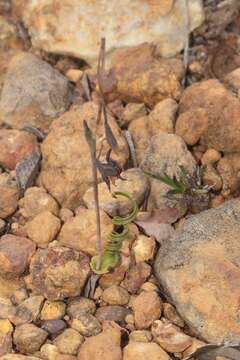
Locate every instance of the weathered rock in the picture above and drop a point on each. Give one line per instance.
(58, 273)
(161, 118)
(135, 183)
(131, 112)
(117, 275)
(19, 295)
(37, 200)
(28, 338)
(49, 352)
(80, 306)
(144, 351)
(6, 308)
(6, 330)
(43, 228)
(144, 248)
(210, 157)
(65, 214)
(53, 310)
(147, 307)
(165, 155)
(28, 310)
(170, 337)
(149, 80)
(146, 21)
(9, 195)
(54, 327)
(212, 178)
(9, 286)
(9, 36)
(18, 357)
(196, 344)
(200, 258)
(232, 80)
(229, 167)
(136, 276)
(107, 344)
(219, 122)
(112, 313)
(69, 342)
(86, 324)
(170, 313)
(192, 130)
(66, 171)
(15, 255)
(115, 295)
(79, 232)
(140, 336)
(33, 92)
(15, 145)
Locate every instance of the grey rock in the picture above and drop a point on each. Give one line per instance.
(113, 313)
(33, 93)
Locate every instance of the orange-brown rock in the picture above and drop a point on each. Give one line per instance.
(15, 145)
(229, 167)
(15, 255)
(218, 126)
(35, 201)
(170, 337)
(9, 195)
(66, 170)
(79, 232)
(133, 182)
(147, 308)
(107, 344)
(192, 124)
(6, 330)
(149, 80)
(202, 272)
(136, 276)
(43, 228)
(58, 272)
(144, 351)
(161, 118)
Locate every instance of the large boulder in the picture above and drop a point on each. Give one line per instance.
(33, 92)
(133, 23)
(66, 167)
(210, 113)
(199, 271)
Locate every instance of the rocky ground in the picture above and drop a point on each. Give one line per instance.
(176, 287)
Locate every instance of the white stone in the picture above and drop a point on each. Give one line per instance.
(75, 27)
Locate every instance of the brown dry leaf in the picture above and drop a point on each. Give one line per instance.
(158, 222)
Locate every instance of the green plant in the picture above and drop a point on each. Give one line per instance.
(110, 257)
(187, 183)
(191, 186)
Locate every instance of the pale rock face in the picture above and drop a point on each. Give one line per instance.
(75, 27)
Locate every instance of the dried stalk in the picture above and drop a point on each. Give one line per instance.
(92, 147)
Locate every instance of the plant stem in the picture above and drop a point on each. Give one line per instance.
(97, 210)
